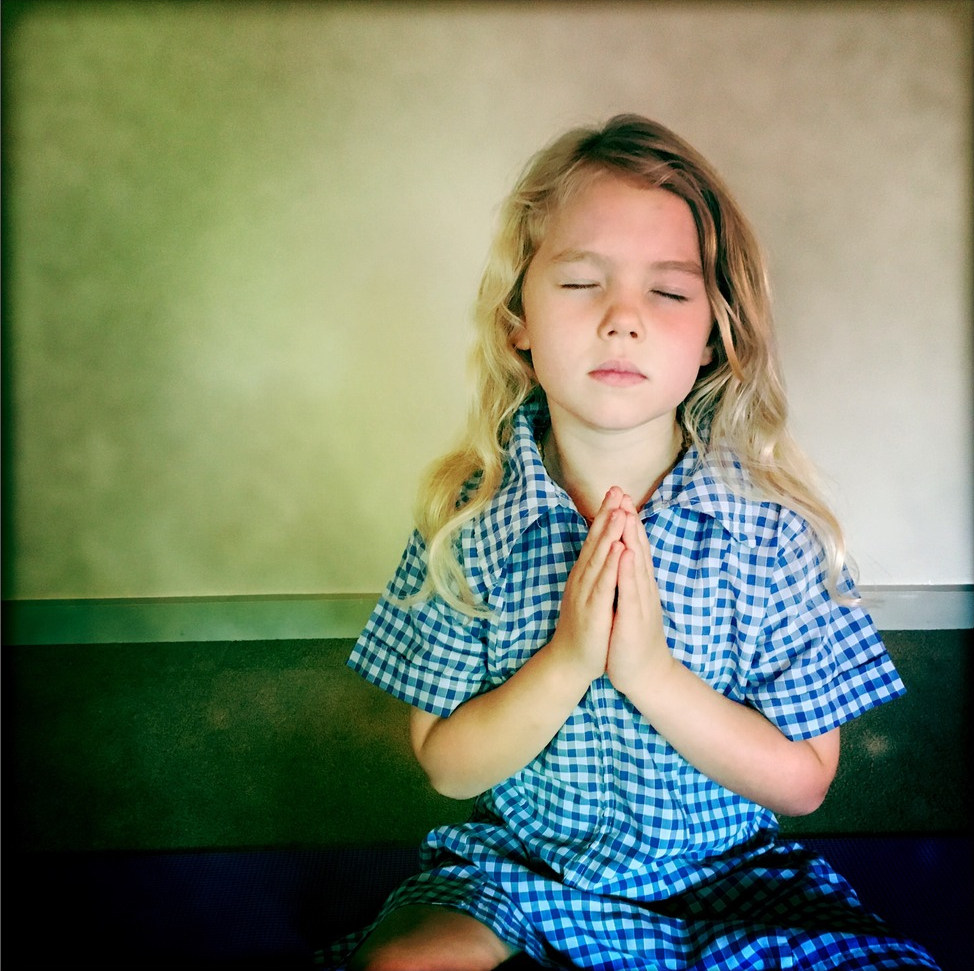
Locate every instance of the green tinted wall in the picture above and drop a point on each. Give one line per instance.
(243, 239)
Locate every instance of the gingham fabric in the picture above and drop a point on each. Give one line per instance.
(610, 850)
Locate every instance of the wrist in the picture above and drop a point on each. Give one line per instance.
(578, 667)
(652, 678)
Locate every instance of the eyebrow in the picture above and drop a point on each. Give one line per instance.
(578, 256)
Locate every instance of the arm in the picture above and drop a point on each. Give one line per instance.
(731, 743)
(492, 736)
(737, 746)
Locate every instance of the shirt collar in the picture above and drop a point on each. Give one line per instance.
(526, 493)
(715, 484)
(697, 482)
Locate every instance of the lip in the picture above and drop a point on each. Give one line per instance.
(617, 373)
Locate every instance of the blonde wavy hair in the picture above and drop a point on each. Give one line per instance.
(738, 400)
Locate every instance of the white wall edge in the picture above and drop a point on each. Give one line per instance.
(167, 620)
(920, 607)
(299, 617)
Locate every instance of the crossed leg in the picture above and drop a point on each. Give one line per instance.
(431, 938)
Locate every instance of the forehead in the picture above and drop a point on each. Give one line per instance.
(607, 211)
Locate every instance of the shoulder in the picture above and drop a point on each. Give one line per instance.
(718, 485)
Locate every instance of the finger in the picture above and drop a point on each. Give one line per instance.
(597, 565)
(645, 582)
(605, 531)
(628, 597)
(627, 574)
(632, 537)
(650, 563)
(606, 527)
(629, 507)
(607, 580)
(639, 563)
(639, 541)
(611, 502)
(601, 544)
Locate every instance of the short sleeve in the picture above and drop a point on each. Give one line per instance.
(819, 664)
(423, 652)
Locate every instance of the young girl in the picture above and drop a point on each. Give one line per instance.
(624, 623)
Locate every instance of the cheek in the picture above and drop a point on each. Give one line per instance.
(542, 362)
(689, 358)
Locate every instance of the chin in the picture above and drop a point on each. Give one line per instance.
(615, 424)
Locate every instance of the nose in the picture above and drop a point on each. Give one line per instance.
(623, 318)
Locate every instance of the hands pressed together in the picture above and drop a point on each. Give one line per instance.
(611, 621)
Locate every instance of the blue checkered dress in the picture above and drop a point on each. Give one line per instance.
(610, 850)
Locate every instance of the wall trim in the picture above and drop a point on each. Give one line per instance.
(932, 607)
(171, 619)
(312, 616)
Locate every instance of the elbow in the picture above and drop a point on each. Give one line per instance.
(807, 792)
(445, 779)
(813, 764)
(803, 801)
(450, 787)
(443, 774)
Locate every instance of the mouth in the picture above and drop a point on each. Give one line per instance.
(617, 373)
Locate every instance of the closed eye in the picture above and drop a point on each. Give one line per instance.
(579, 286)
(678, 297)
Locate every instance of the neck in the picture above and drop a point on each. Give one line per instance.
(586, 466)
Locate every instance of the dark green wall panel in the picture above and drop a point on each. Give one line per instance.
(276, 743)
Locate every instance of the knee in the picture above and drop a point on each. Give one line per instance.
(384, 957)
(391, 955)
(429, 938)
(374, 960)
(400, 956)
(363, 960)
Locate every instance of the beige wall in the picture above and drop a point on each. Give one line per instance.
(243, 240)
